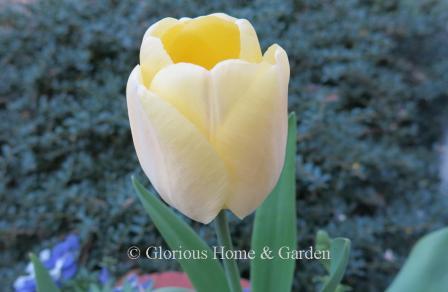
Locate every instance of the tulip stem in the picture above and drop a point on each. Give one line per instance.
(224, 240)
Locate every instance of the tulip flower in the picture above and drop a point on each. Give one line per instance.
(208, 114)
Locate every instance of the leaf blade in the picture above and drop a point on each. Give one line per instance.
(177, 233)
(426, 268)
(278, 214)
(172, 289)
(44, 282)
(340, 252)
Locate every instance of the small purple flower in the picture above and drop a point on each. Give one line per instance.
(133, 282)
(104, 276)
(147, 284)
(69, 246)
(60, 263)
(25, 284)
(68, 272)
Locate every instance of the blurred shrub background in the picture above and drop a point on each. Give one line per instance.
(369, 84)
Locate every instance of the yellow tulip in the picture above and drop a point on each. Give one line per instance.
(208, 114)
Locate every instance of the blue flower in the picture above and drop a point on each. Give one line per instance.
(68, 246)
(25, 284)
(68, 272)
(60, 263)
(133, 282)
(104, 276)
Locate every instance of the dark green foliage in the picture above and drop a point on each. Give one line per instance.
(369, 85)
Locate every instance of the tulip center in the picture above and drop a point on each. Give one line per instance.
(204, 41)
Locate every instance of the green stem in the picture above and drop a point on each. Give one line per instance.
(230, 266)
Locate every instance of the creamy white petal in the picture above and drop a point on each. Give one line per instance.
(160, 27)
(179, 161)
(153, 57)
(251, 137)
(224, 16)
(250, 46)
(186, 87)
(276, 55)
(183, 19)
(230, 82)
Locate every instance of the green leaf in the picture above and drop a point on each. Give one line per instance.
(205, 274)
(275, 226)
(339, 252)
(172, 289)
(94, 288)
(323, 244)
(127, 287)
(426, 268)
(336, 263)
(43, 279)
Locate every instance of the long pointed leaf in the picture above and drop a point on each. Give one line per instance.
(275, 226)
(339, 252)
(205, 274)
(43, 279)
(172, 289)
(426, 268)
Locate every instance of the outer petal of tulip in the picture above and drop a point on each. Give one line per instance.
(174, 154)
(251, 136)
(153, 56)
(250, 46)
(224, 16)
(160, 27)
(185, 87)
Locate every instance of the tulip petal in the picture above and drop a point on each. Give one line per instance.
(153, 57)
(231, 80)
(224, 16)
(250, 50)
(160, 27)
(251, 136)
(185, 87)
(179, 161)
(277, 55)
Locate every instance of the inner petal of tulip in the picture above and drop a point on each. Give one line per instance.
(204, 41)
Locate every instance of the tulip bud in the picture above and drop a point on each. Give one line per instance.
(208, 114)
